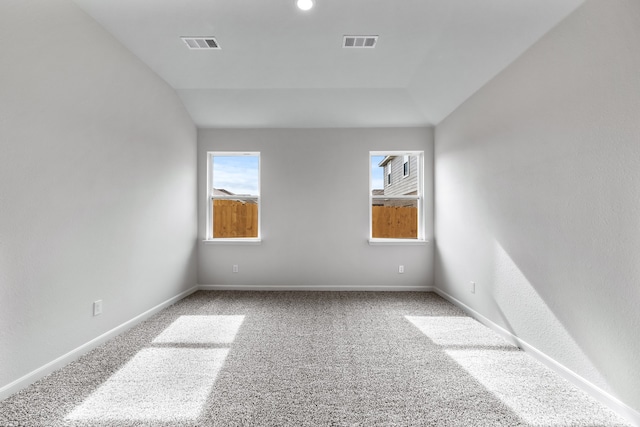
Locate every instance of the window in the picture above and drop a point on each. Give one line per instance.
(233, 196)
(405, 166)
(396, 210)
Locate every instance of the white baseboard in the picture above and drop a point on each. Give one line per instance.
(316, 288)
(593, 390)
(65, 359)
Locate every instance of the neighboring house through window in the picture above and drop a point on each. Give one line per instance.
(395, 192)
(233, 196)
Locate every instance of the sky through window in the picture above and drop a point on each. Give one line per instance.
(236, 174)
(377, 173)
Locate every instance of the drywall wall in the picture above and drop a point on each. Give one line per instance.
(537, 197)
(315, 214)
(97, 185)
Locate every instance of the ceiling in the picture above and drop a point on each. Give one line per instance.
(281, 67)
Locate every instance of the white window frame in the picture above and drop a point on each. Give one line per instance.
(420, 239)
(387, 177)
(210, 197)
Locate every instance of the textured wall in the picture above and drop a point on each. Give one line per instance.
(97, 185)
(315, 215)
(537, 197)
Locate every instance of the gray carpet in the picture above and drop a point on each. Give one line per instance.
(305, 359)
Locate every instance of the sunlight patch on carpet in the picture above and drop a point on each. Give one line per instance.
(201, 330)
(531, 390)
(457, 331)
(157, 384)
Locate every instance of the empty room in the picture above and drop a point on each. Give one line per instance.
(319, 213)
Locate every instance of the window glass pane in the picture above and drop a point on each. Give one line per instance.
(235, 175)
(234, 190)
(394, 218)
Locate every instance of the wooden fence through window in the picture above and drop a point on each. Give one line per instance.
(235, 218)
(394, 222)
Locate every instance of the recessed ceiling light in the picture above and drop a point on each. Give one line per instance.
(305, 4)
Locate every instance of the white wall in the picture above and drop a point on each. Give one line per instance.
(315, 214)
(97, 185)
(537, 194)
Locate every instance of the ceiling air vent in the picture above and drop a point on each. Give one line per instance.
(365, 42)
(201, 42)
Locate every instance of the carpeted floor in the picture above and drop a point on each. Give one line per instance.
(305, 359)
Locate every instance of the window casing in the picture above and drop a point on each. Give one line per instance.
(233, 196)
(396, 211)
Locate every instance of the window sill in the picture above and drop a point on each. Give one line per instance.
(240, 241)
(401, 242)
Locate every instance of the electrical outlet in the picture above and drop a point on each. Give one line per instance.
(401, 269)
(97, 307)
(235, 268)
(472, 287)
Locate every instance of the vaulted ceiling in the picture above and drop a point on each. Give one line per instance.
(281, 67)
